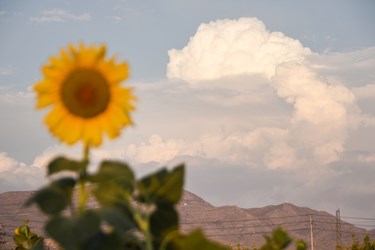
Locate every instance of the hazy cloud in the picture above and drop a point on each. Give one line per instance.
(59, 15)
(6, 71)
(16, 175)
(354, 68)
(130, 11)
(364, 92)
(368, 158)
(343, 185)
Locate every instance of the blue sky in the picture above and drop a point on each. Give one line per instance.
(142, 31)
(265, 101)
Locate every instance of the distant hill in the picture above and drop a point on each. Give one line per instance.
(227, 224)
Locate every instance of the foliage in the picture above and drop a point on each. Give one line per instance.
(2, 233)
(131, 214)
(25, 239)
(277, 241)
(367, 244)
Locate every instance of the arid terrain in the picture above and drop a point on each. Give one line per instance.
(227, 224)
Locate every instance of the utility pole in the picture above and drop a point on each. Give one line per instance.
(338, 230)
(311, 233)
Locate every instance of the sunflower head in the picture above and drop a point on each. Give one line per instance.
(84, 92)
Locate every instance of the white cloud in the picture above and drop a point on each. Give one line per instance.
(324, 112)
(233, 47)
(159, 150)
(7, 163)
(6, 71)
(2, 12)
(254, 148)
(255, 187)
(367, 158)
(364, 92)
(59, 15)
(321, 119)
(116, 18)
(354, 68)
(16, 175)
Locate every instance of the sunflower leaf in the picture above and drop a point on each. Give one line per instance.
(192, 241)
(163, 186)
(119, 220)
(163, 220)
(54, 198)
(114, 182)
(72, 233)
(64, 164)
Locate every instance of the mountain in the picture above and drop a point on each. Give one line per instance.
(226, 224)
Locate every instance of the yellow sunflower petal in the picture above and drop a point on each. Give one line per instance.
(82, 87)
(110, 128)
(118, 73)
(92, 134)
(45, 100)
(42, 86)
(124, 97)
(71, 130)
(54, 117)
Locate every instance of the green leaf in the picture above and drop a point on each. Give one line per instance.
(117, 218)
(24, 230)
(64, 164)
(25, 239)
(19, 239)
(162, 186)
(193, 241)
(163, 221)
(54, 198)
(21, 248)
(37, 243)
(71, 233)
(102, 241)
(113, 171)
(115, 182)
(109, 194)
(301, 245)
(279, 240)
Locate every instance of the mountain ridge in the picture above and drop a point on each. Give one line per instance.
(226, 224)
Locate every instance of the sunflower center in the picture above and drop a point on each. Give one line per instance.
(85, 93)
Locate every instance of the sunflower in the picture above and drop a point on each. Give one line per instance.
(83, 88)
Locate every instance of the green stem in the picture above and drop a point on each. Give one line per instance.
(83, 195)
(143, 222)
(148, 238)
(86, 152)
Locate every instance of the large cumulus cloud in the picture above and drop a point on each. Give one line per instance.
(323, 111)
(233, 47)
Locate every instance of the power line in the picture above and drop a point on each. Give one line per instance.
(288, 230)
(253, 233)
(257, 219)
(253, 226)
(358, 218)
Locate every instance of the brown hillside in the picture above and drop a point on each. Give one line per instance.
(227, 224)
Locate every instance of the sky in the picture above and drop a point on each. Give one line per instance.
(264, 101)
